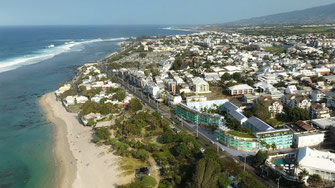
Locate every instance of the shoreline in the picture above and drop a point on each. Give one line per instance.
(65, 174)
(94, 166)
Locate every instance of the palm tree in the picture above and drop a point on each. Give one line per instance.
(303, 174)
(273, 146)
(268, 146)
(263, 143)
(296, 166)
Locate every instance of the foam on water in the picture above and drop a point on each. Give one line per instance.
(47, 53)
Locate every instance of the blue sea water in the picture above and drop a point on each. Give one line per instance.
(33, 61)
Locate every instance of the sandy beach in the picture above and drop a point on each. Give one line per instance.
(80, 163)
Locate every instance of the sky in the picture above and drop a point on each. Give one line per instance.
(137, 12)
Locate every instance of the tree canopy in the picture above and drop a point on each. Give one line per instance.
(296, 114)
(207, 174)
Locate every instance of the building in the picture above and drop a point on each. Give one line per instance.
(257, 125)
(197, 117)
(274, 106)
(317, 96)
(62, 89)
(171, 85)
(172, 99)
(241, 89)
(292, 89)
(206, 105)
(317, 111)
(323, 123)
(294, 100)
(317, 162)
(307, 139)
(200, 85)
(234, 111)
(152, 89)
(237, 140)
(280, 138)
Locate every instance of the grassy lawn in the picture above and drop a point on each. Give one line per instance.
(274, 122)
(75, 108)
(240, 134)
(129, 165)
(274, 50)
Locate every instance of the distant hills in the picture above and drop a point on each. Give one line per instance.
(317, 15)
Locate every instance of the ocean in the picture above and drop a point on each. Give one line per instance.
(34, 60)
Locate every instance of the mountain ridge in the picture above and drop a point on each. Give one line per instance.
(316, 15)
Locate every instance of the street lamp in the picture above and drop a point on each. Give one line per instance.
(245, 158)
(217, 145)
(278, 180)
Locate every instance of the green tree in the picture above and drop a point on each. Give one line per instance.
(120, 95)
(224, 182)
(250, 82)
(314, 180)
(237, 77)
(302, 174)
(260, 157)
(261, 110)
(207, 174)
(134, 105)
(143, 55)
(273, 146)
(141, 154)
(102, 133)
(296, 114)
(177, 63)
(225, 77)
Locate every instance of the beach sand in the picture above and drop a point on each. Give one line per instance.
(94, 166)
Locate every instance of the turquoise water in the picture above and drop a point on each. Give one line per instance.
(279, 161)
(26, 158)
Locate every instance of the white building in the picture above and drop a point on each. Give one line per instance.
(241, 89)
(62, 89)
(306, 139)
(317, 162)
(317, 96)
(200, 85)
(70, 100)
(81, 99)
(292, 89)
(153, 89)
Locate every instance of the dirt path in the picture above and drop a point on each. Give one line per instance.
(154, 169)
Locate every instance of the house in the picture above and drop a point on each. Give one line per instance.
(200, 85)
(70, 100)
(241, 89)
(294, 100)
(317, 111)
(291, 89)
(274, 106)
(316, 162)
(211, 76)
(172, 99)
(317, 96)
(263, 87)
(81, 99)
(152, 89)
(62, 89)
(171, 85)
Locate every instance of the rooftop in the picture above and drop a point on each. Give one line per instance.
(259, 124)
(241, 134)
